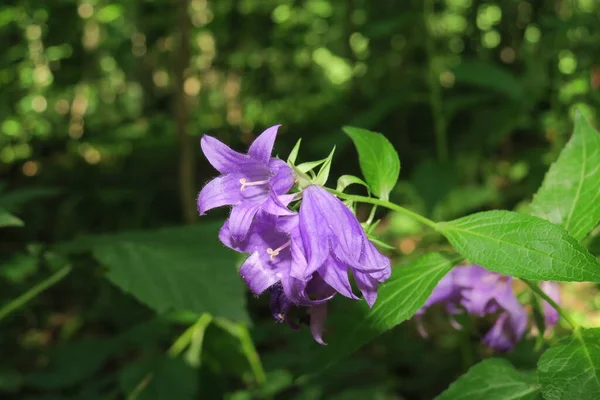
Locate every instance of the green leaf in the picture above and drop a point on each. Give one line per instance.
(521, 245)
(399, 298)
(183, 268)
(346, 180)
(71, 363)
(294, 153)
(571, 368)
(488, 76)
(570, 193)
(323, 174)
(163, 378)
(378, 160)
(7, 219)
(493, 379)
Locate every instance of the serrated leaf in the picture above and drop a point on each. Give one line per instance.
(399, 298)
(571, 368)
(570, 193)
(183, 268)
(521, 245)
(323, 174)
(7, 219)
(346, 180)
(378, 160)
(294, 153)
(493, 379)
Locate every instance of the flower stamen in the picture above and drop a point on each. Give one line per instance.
(272, 253)
(245, 183)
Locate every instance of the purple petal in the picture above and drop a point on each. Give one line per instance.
(241, 218)
(367, 286)
(221, 156)
(318, 315)
(335, 274)
(258, 276)
(221, 191)
(334, 219)
(506, 332)
(262, 146)
(373, 261)
(314, 235)
(283, 177)
(275, 206)
(552, 289)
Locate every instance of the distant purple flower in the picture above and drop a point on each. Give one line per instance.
(481, 292)
(249, 182)
(552, 289)
(334, 243)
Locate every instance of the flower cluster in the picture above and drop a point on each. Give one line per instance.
(480, 292)
(300, 258)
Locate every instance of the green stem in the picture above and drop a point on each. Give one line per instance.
(435, 91)
(371, 215)
(386, 204)
(536, 289)
(241, 332)
(34, 291)
(180, 344)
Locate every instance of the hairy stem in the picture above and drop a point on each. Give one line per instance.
(536, 289)
(386, 204)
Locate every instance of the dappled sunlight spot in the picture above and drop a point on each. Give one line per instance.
(30, 168)
(533, 34)
(567, 63)
(33, 32)
(91, 35)
(281, 13)
(76, 128)
(90, 154)
(407, 246)
(85, 10)
(447, 79)
(192, 86)
(337, 69)
(488, 15)
(359, 44)
(508, 55)
(490, 39)
(160, 78)
(571, 89)
(42, 75)
(11, 127)
(39, 104)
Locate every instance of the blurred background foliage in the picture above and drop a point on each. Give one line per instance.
(102, 107)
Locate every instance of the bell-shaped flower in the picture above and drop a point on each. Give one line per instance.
(481, 293)
(333, 243)
(250, 182)
(273, 246)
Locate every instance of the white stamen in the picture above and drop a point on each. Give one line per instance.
(272, 253)
(246, 183)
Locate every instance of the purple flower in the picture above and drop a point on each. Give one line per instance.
(334, 243)
(250, 182)
(481, 293)
(552, 289)
(273, 246)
